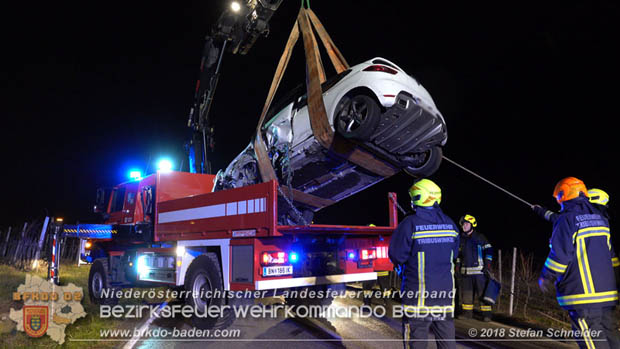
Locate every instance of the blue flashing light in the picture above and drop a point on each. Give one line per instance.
(164, 165)
(293, 257)
(351, 255)
(135, 175)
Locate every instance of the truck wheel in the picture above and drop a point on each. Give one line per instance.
(204, 277)
(357, 117)
(429, 163)
(98, 280)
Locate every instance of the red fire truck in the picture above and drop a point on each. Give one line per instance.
(170, 228)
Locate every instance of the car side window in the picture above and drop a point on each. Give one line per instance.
(300, 91)
(289, 98)
(329, 83)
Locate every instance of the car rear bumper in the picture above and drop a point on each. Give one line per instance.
(409, 127)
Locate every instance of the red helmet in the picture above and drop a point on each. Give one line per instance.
(568, 189)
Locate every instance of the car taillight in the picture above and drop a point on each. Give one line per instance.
(88, 245)
(381, 68)
(367, 254)
(273, 258)
(382, 252)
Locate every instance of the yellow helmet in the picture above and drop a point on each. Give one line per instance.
(468, 218)
(425, 193)
(598, 196)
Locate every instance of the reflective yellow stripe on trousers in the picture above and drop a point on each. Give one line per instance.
(421, 283)
(586, 333)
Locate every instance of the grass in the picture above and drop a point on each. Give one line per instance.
(543, 310)
(83, 328)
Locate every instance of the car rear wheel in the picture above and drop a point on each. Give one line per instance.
(357, 117)
(427, 163)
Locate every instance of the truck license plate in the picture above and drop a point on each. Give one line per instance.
(278, 270)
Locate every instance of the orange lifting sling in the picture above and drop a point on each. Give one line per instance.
(321, 128)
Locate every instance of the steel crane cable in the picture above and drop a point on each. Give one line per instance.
(486, 180)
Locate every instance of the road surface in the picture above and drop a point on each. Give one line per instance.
(330, 332)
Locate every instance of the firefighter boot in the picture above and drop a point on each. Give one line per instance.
(466, 311)
(486, 312)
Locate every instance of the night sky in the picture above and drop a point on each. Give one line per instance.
(529, 93)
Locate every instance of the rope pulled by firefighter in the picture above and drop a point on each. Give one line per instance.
(487, 181)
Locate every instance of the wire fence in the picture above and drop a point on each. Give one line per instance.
(28, 246)
(529, 302)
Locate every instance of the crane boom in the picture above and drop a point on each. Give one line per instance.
(235, 32)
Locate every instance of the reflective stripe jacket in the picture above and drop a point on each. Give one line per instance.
(546, 214)
(582, 258)
(426, 243)
(475, 253)
(553, 216)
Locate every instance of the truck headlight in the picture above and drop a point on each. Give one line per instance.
(141, 267)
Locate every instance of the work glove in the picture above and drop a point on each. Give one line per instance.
(539, 210)
(544, 284)
(398, 268)
(487, 269)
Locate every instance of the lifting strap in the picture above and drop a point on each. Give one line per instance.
(321, 129)
(264, 164)
(340, 64)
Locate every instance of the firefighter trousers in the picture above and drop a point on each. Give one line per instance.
(472, 288)
(416, 330)
(597, 328)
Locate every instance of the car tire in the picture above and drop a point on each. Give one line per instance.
(357, 117)
(98, 280)
(204, 274)
(429, 165)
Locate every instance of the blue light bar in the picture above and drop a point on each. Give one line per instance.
(164, 165)
(135, 175)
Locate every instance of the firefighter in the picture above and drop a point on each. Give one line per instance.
(581, 263)
(424, 247)
(598, 197)
(475, 257)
